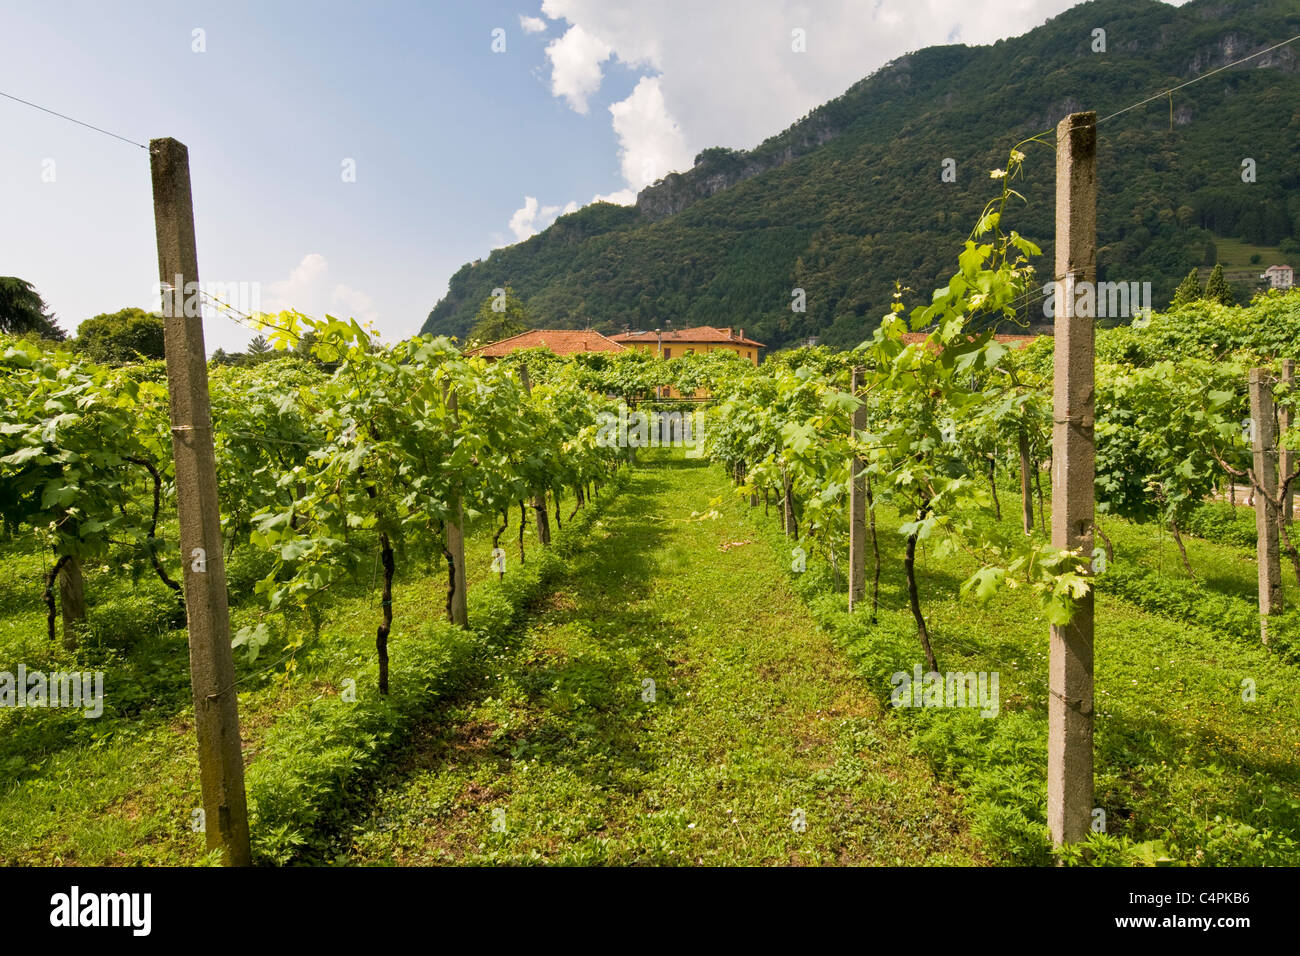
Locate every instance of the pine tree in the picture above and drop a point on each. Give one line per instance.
(22, 310)
(1189, 290)
(1218, 290)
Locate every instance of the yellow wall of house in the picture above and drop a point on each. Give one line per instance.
(678, 349)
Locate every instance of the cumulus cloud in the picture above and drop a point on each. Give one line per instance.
(576, 59)
(301, 291)
(650, 140)
(310, 290)
(622, 197)
(532, 24)
(729, 72)
(353, 303)
(532, 217)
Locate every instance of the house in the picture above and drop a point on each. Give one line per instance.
(699, 340)
(559, 341)
(695, 341)
(1279, 277)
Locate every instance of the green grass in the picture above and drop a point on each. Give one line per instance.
(1234, 254)
(122, 788)
(1185, 767)
(755, 718)
(530, 742)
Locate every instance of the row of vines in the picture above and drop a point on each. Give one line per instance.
(333, 468)
(950, 410)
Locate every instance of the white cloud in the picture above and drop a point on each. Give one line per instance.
(532, 24)
(575, 66)
(623, 197)
(650, 141)
(531, 218)
(725, 74)
(301, 291)
(354, 304)
(309, 290)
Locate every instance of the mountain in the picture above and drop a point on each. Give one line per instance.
(850, 198)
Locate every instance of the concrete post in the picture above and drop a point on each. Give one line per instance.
(212, 666)
(1266, 512)
(857, 503)
(1070, 666)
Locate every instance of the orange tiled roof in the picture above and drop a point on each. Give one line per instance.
(559, 341)
(704, 334)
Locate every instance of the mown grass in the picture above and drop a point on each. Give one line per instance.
(760, 745)
(123, 788)
(1236, 253)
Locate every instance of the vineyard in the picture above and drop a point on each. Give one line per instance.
(474, 621)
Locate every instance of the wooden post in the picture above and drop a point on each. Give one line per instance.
(1266, 512)
(212, 665)
(539, 501)
(1286, 457)
(857, 502)
(458, 609)
(1070, 666)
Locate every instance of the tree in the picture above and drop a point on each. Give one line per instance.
(1189, 290)
(22, 310)
(500, 316)
(117, 338)
(259, 346)
(1217, 288)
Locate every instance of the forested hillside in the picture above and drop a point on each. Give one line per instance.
(850, 198)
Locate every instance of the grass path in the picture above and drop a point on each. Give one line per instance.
(756, 722)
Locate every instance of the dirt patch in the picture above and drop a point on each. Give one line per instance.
(558, 601)
(468, 740)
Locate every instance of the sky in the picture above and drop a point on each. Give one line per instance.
(348, 158)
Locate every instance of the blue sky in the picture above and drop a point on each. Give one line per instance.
(457, 148)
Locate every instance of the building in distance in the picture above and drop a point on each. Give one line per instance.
(559, 341)
(699, 340)
(1279, 277)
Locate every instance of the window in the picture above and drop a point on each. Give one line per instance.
(668, 353)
